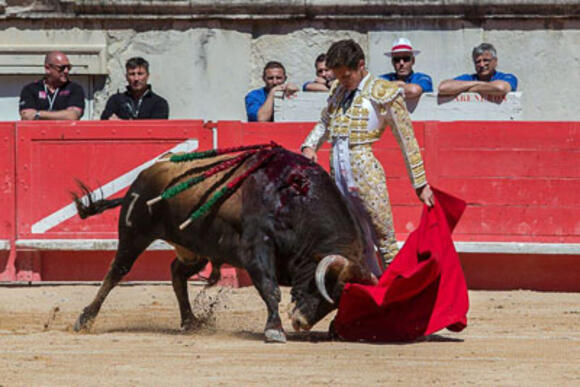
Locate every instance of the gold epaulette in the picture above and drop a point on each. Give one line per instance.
(333, 87)
(382, 91)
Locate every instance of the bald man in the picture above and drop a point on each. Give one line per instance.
(53, 97)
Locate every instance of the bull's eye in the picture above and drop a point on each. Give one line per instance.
(296, 295)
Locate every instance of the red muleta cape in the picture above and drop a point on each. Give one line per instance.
(421, 292)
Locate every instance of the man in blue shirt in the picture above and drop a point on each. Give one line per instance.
(486, 79)
(403, 58)
(260, 102)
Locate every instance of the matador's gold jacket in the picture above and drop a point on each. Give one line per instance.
(377, 103)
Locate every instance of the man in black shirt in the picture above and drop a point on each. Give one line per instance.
(138, 102)
(53, 97)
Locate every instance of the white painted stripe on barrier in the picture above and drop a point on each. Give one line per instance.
(81, 244)
(4, 244)
(461, 247)
(107, 190)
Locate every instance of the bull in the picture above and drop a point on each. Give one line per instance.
(287, 224)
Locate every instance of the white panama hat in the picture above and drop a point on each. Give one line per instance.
(402, 45)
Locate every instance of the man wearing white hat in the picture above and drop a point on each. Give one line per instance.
(402, 56)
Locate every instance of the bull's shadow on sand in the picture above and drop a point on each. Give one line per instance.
(296, 337)
(322, 337)
(141, 329)
(308, 337)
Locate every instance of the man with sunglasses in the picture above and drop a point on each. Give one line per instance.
(413, 83)
(260, 102)
(54, 97)
(486, 79)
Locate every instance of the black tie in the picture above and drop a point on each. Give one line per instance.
(347, 101)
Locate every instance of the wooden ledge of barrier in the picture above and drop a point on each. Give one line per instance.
(306, 107)
(487, 265)
(81, 244)
(528, 248)
(4, 244)
(520, 248)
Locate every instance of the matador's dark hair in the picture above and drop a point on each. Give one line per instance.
(344, 53)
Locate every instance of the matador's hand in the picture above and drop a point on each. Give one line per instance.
(309, 153)
(426, 195)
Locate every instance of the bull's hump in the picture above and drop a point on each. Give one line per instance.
(286, 163)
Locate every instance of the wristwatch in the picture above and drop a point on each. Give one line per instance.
(37, 115)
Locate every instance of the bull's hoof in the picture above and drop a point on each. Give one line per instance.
(83, 324)
(191, 326)
(274, 336)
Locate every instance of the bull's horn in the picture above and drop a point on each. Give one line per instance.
(321, 270)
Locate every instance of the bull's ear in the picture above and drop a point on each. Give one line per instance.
(346, 271)
(358, 274)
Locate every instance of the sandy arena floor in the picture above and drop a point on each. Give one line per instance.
(518, 338)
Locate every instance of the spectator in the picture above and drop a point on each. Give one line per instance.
(260, 102)
(403, 58)
(138, 102)
(486, 79)
(324, 76)
(359, 108)
(53, 97)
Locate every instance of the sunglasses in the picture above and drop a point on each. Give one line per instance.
(402, 58)
(61, 68)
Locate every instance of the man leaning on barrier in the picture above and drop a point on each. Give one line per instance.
(54, 97)
(138, 102)
(486, 79)
(402, 57)
(260, 102)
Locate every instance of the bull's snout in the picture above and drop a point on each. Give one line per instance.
(299, 321)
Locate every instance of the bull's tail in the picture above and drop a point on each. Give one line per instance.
(90, 206)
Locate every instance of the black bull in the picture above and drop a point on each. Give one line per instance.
(285, 220)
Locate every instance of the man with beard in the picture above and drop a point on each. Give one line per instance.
(54, 97)
(359, 109)
(260, 102)
(403, 56)
(486, 79)
(138, 102)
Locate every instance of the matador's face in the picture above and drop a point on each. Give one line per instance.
(350, 78)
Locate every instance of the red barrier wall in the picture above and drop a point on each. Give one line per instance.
(7, 200)
(520, 180)
(105, 156)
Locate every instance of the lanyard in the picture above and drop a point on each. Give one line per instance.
(51, 100)
(135, 111)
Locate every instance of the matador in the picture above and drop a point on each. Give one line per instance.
(359, 108)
